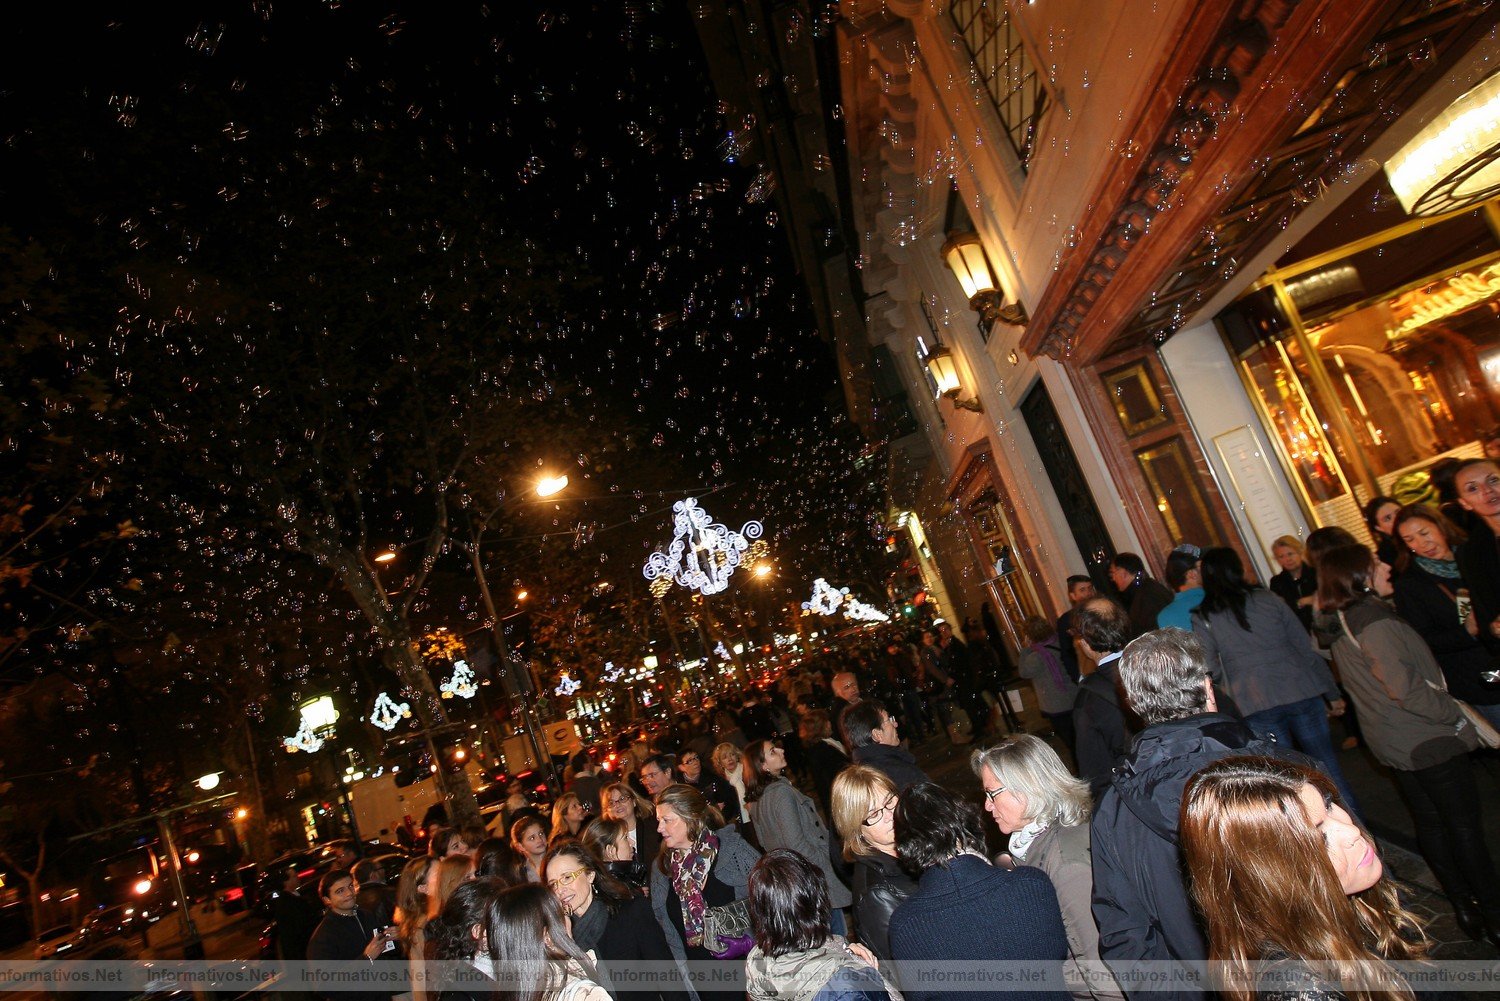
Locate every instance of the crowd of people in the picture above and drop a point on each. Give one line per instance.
(1191, 808)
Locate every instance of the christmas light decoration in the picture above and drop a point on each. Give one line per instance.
(703, 553)
(566, 685)
(462, 682)
(857, 611)
(825, 598)
(611, 673)
(305, 739)
(388, 712)
(719, 649)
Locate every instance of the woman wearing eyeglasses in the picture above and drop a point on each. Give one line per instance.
(1044, 809)
(864, 805)
(610, 919)
(622, 803)
(786, 818)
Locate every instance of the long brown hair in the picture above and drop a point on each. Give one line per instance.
(1262, 879)
(1344, 576)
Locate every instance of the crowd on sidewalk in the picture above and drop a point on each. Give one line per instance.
(794, 841)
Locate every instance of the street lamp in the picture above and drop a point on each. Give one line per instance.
(549, 485)
(209, 781)
(319, 721)
(386, 557)
(965, 257)
(944, 371)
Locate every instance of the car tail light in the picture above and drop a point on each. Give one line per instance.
(233, 893)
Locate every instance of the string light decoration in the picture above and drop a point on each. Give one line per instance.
(825, 598)
(857, 611)
(566, 685)
(703, 554)
(388, 712)
(611, 673)
(462, 682)
(305, 739)
(719, 649)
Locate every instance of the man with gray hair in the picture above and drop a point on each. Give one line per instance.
(1140, 898)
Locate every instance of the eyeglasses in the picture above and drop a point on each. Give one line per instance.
(990, 794)
(880, 813)
(566, 880)
(691, 759)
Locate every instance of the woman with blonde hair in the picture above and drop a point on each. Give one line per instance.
(1045, 810)
(618, 801)
(1291, 889)
(1297, 583)
(731, 765)
(863, 803)
(568, 815)
(412, 909)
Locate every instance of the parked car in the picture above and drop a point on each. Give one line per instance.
(48, 942)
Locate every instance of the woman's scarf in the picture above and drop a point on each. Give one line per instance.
(1054, 665)
(689, 870)
(1020, 841)
(1446, 569)
(588, 927)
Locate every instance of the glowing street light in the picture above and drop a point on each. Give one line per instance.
(209, 781)
(549, 485)
(386, 556)
(762, 570)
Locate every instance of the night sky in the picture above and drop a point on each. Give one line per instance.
(225, 232)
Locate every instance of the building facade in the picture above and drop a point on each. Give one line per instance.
(1208, 316)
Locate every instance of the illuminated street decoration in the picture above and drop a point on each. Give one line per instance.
(858, 611)
(388, 712)
(703, 553)
(566, 685)
(611, 673)
(825, 598)
(462, 682)
(305, 739)
(719, 649)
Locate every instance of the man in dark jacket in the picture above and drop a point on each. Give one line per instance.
(1080, 589)
(1103, 732)
(716, 790)
(348, 933)
(373, 893)
(1141, 901)
(871, 731)
(295, 915)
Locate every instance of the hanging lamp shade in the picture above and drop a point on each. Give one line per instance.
(964, 256)
(1455, 161)
(944, 371)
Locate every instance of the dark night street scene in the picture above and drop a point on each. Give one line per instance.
(798, 501)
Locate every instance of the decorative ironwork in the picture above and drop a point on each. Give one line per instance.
(1003, 67)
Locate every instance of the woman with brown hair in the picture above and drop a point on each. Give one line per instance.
(1431, 593)
(1291, 888)
(1413, 727)
(704, 864)
(568, 816)
(610, 843)
(412, 908)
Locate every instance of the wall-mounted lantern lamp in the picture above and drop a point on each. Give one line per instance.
(944, 372)
(964, 255)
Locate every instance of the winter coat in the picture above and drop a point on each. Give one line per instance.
(628, 938)
(1103, 731)
(828, 973)
(786, 818)
(731, 867)
(1407, 719)
(1144, 601)
(966, 909)
(1052, 696)
(1273, 664)
(1293, 589)
(1429, 604)
(1479, 565)
(825, 759)
(879, 887)
(1140, 899)
(898, 764)
(1063, 854)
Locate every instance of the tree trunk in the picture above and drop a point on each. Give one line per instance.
(259, 837)
(463, 808)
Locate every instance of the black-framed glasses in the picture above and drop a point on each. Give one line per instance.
(880, 812)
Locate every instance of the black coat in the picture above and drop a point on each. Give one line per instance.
(717, 790)
(1144, 602)
(825, 762)
(1141, 901)
(1479, 564)
(1421, 599)
(1103, 732)
(899, 764)
(295, 917)
(1066, 649)
(1293, 589)
(879, 887)
(632, 936)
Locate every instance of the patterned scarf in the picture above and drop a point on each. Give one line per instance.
(689, 870)
(1447, 569)
(1020, 841)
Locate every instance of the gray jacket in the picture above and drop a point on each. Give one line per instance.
(1051, 696)
(1407, 718)
(785, 818)
(1273, 664)
(1063, 854)
(731, 867)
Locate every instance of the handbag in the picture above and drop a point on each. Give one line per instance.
(1488, 735)
(726, 930)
